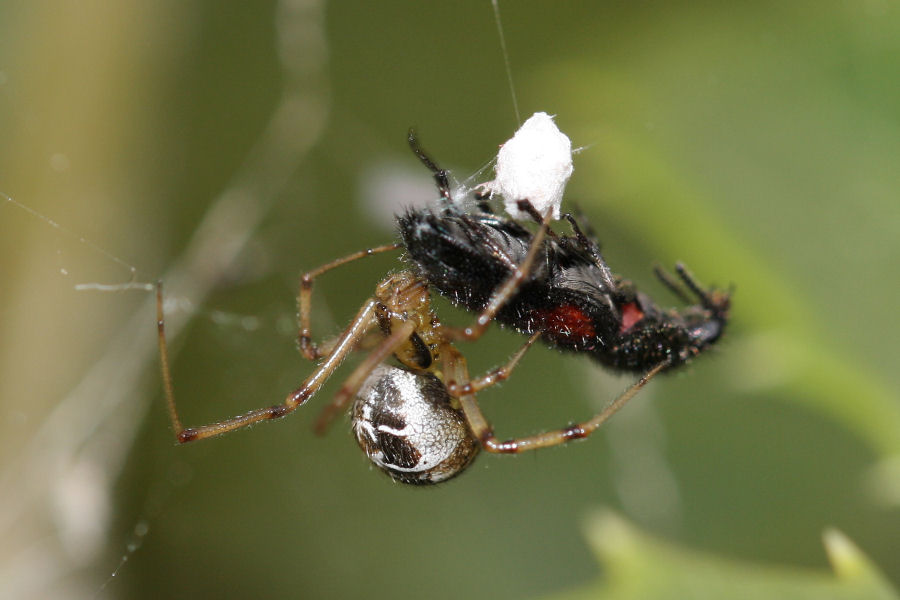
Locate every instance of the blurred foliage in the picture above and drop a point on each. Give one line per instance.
(757, 142)
(638, 566)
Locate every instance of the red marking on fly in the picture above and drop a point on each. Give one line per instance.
(567, 320)
(631, 314)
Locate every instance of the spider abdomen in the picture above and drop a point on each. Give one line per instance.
(404, 422)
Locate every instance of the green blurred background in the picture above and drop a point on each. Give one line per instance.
(229, 146)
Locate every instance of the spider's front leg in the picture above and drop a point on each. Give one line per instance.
(346, 342)
(508, 288)
(309, 349)
(352, 384)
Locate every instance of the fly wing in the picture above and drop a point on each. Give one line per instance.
(464, 257)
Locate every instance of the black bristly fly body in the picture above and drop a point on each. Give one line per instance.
(568, 295)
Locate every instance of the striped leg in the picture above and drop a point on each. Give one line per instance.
(308, 348)
(484, 432)
(346, 342)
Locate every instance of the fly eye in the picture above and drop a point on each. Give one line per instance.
(706, 332)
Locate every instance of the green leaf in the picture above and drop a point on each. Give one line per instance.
(640, 567)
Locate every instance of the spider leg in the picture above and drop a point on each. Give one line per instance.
(308, 348)
(492, 377)
(351, 385)
(485, 433)
(527, 207)
(362, 323)
(508, 288)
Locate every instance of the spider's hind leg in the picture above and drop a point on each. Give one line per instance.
(505, 291)
(346, 343)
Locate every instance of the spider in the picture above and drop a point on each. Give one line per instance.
(404, 418)
(421, 422)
